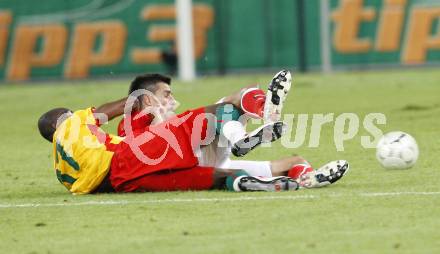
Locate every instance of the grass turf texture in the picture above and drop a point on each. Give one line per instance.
(337, 219)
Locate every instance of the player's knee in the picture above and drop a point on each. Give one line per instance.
(296, 159)
(224, 114)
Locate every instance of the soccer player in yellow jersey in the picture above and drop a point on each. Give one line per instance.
(82, 151)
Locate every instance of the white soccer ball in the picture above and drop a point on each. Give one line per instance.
(397, 150)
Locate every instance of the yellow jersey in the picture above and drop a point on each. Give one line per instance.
(82, 152)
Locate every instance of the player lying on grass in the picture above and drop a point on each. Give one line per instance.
(159, 104)
(89, 160)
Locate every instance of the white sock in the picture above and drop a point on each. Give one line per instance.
(233, 131)
(253, 168)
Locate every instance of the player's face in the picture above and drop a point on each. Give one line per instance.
(165, 97)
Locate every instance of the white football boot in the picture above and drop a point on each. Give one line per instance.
(255, 183)
(325, 175)
(267, 133)
(276, 95)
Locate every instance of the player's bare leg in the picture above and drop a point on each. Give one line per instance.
(281, 167)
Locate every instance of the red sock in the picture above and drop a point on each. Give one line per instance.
(299, 170)
(252, 102)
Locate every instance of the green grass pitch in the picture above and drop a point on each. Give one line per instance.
(371, 210)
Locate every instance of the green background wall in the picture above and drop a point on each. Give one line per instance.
(245, 35)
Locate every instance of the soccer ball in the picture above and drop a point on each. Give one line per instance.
(397, 150)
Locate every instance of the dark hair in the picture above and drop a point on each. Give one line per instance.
(48, 121)
(148, 82)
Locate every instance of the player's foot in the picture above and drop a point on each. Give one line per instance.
(265, 134)
(325, 175)
(254, 183)
(276, 94)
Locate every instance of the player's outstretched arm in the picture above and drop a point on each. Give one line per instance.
(111, 110)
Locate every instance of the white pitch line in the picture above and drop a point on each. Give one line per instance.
(194, 200)
(380, 194)
(156, 201)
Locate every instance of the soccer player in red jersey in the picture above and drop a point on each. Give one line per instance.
(217, 154)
